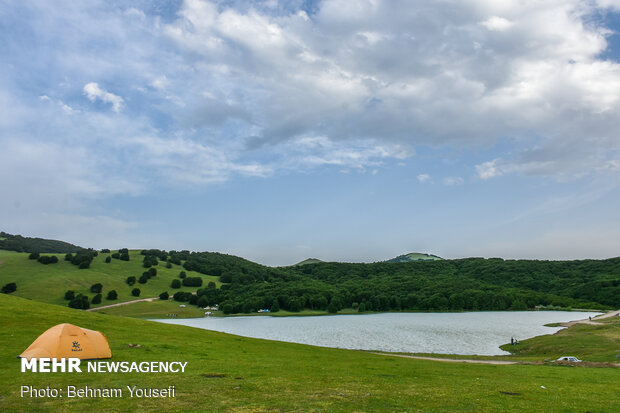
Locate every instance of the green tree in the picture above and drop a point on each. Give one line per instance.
(332, 307)
(143, 278)
(108, 259)
(96, 288)
(131, 280)
(135, 292)
(164, 295)
(112, 295)
(96, 299)
(9, 288)
(227, 308)
(69, 295)
(175, 283)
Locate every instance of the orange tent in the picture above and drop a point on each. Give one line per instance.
(67, 340)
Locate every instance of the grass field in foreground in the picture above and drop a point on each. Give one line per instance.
(48, 283)
(230, 373)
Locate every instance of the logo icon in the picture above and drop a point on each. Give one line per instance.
(76, 346)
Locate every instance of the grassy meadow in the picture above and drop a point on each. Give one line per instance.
(231, 373)
(48, 283)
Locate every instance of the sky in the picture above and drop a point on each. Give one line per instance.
(346, 130)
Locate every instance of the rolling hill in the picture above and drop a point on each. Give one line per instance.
(415, 256)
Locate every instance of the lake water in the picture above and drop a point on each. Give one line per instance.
(448, 333)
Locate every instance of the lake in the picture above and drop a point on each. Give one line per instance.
(447, 333)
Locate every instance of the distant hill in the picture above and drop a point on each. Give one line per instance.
(310, 261)
(18, 243)
(415, 256)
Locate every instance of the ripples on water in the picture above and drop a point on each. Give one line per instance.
(448, 333)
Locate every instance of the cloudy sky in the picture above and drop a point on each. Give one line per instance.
(352, 130)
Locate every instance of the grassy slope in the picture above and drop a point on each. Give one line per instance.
(48, 283)
(263, 375)
(585, 341)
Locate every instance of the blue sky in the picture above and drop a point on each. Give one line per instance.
(351, 130)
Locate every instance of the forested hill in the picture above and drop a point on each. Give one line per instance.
(26, 244)
(464, 284)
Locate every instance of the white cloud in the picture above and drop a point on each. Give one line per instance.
(488, 169)
(94, 92)
(496, 23)
(424, 178)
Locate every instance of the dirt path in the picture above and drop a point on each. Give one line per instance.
(450, 360)
(592, 321)
(124, 303)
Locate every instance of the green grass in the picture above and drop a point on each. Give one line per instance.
(230, 373)
(155, 309)
(48, 283)
(597, 343)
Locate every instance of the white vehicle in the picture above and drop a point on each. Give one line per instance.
(569, 358)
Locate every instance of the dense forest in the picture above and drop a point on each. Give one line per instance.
(464, 284)
(26, 244)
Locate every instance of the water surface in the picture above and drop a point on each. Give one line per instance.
(447, 333)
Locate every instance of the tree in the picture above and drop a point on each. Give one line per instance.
(69, 295)
(124, 256)
(168, 264)
(96, 288)
(80, 302)
(108, 259)
(96, 299)
(332, 307)
(275, 307)
(152, 271)
(182, 274)
(9, 288)
(164, 295)
(149, 260)
(131, 280)
(203, 301)
(34, 256)
(227, 308)
(192, 281)
(143, 278)
(68, 256)
(83, 265)
(175, 284)
(112, 295)
(135, 292)
(361, 308)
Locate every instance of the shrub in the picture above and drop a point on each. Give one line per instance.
(130, 280)
(83, 265)
(192, 281)
(9, 288)
(143, 279)
(108, 259)
(105, 251)
(182, 296)
(116, 256)
(34, 256)
(168, 264)
(48, 259)
(124, 256)
(152, 271)
(96, 299)
(149, 260)
(164, 295)
(361, 308)
(112, 295)
(135, 292)
(182, 274)
(68, 257)
(96, 288)
(175, 284)
(69, 295)
(80, 302)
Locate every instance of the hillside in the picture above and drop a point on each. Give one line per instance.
(309, 261)
(231, 373)
(48, 283)
(18, 243)
(415, 256)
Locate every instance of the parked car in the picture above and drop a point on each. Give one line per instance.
(569, 358)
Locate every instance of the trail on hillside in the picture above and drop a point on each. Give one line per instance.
(123, 303)
(592, 321)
